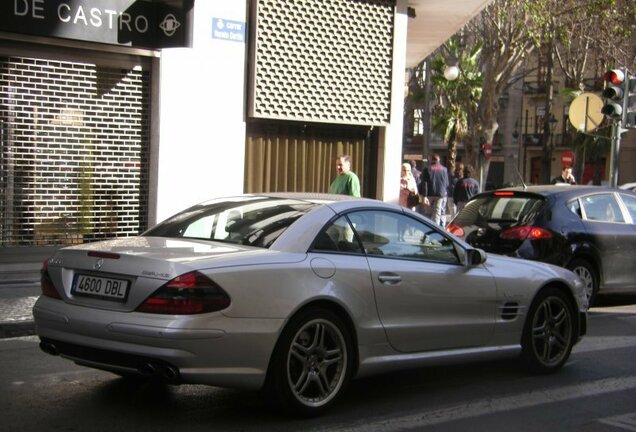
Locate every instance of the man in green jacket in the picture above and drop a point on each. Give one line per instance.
(346, 182)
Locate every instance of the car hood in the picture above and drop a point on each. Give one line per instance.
(506, 264)
(163, 258)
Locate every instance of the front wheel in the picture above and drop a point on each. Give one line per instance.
(548, 334)
(311, 364)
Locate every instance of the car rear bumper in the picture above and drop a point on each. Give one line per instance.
(199, 349)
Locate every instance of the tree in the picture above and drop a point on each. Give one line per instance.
(456, 100)
(593, 36)
(502, 28)
(564, 34)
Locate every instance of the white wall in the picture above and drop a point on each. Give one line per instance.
(201, 139)
(201, 134)
(390, 146)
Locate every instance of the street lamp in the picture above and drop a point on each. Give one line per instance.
(451, 72)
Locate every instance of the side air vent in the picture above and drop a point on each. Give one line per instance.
(509, 311)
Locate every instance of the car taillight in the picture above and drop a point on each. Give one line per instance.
(526, 233)
(46, 284)
(190, 293)
(455, 229)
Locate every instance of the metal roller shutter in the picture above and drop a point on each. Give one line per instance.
(74, 144)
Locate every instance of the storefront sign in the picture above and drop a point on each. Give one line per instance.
(120, 22)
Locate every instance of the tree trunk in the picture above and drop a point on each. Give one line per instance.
(546, 160)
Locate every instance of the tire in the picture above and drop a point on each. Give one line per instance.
(549, 331)
(311, 365)
(588, 275)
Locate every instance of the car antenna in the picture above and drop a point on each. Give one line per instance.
(525, 186)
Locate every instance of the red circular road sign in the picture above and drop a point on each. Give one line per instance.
(488, 151)
(567, 159)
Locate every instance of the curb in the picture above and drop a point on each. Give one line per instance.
(16, 329)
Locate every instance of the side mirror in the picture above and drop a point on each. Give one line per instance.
(475, 257)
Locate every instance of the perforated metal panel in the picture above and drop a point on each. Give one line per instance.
(323, 60)
(73, 151)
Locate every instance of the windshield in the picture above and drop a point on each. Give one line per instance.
(252, 221)
(500, 210)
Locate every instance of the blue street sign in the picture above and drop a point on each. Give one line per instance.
(228, 30)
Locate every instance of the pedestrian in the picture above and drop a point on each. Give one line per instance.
(346, 182)
(458, 173)
(465, 188)
(434, 189)
(409, 196)
(417, 174)
(565, 177)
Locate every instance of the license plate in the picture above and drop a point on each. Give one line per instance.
(94, 286)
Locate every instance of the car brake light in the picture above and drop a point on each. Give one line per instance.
(190, 293)
(504, 194)
(108, 255)
(455, 229)
(46, 284)
(526, 233)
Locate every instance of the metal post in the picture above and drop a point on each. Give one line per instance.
(617, 130)
(426, 117)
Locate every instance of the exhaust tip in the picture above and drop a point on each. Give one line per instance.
(49, 348)
(170, 374)
(147, 369)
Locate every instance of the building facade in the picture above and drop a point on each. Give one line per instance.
(116, 114)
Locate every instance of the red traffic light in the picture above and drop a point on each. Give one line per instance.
(614, 76)
(614, 93)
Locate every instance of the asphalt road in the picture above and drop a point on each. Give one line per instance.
(595, 391)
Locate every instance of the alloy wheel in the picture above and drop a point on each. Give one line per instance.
(552, 331)
(317, 362)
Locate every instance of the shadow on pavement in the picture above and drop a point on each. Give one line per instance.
(606, 300)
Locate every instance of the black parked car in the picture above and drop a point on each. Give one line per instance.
(590, 230)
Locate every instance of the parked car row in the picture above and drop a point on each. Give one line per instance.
(298, 294)
(590, 230)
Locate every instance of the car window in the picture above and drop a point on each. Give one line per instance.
(337, 236)
(254, 222)
(575, 207)
(503, 210)
(630, 203)
(396, 235)
(601, 207)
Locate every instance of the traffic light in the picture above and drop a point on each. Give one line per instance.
(613, 93)
(620, 97)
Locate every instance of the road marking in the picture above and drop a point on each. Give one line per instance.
(625, 421)
(601, 343)
(489, 406)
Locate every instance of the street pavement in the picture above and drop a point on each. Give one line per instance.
(19, 289)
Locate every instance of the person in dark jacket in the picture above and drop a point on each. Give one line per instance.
(434, 189)
(465, 188)
(451, 207)
(566, 177)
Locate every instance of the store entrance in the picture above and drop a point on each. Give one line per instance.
(74, 146)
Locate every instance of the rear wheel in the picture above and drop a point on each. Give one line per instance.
(548, 334)
(311, 364)
(588, 275)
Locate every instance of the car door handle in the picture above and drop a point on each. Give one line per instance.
(389, 278)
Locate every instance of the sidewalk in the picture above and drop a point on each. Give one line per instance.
(19, 289)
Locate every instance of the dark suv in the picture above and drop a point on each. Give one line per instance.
(590, 230)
